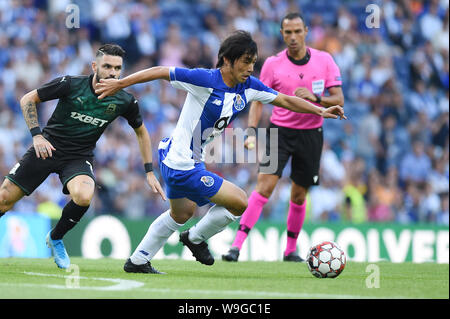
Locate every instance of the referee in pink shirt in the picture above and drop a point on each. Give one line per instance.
(307, 73)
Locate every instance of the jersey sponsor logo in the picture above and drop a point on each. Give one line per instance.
(239, 103)
(88, 119)
(207, 180)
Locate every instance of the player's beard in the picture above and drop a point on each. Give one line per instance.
(98, 78)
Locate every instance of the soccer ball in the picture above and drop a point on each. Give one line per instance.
(326, 260)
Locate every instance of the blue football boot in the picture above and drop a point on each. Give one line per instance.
(62, 260)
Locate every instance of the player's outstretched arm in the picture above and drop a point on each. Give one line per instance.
(299, 105)
(107, 87)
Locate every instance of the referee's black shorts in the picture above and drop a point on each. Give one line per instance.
(305, 147)
(30, 171)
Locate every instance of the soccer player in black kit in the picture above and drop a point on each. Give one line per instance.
(65, 146)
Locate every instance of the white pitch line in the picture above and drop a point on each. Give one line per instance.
(120, 284)
(123, 284)
(233, 293)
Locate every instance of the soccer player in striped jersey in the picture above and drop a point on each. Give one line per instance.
(215, 97)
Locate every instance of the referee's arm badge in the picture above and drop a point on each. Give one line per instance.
(318, 86)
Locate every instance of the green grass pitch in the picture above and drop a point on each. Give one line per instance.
(104, 278)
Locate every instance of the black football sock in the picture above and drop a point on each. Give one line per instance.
(70, 216)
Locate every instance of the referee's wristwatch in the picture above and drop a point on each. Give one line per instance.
(318, 98)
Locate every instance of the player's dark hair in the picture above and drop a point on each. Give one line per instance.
(292, 16)
(110, 49)
(235, 46)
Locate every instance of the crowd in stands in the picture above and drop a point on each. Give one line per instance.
(389, 162)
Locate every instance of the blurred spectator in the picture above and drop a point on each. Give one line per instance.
(440, 40)
(421, 100)
(354, 205)
(316, 30)
(416, 165)
(430, 204)
(333, 169)
(382, 193)
(442, 216)
(439, 176)
(411, 211)
(173, 49)
(326, 200)
(146, 40)
(430, 22)
(29, 71)
(196, 55)
(117, 26)
(440, 130)
(369, 132)
(394, 141)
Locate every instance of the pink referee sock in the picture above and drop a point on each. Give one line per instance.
(249, 218)
(295, 218)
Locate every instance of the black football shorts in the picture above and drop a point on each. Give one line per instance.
(305, 147)
(30, 171)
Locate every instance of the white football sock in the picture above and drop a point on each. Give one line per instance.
(155, 238)
(214, 221)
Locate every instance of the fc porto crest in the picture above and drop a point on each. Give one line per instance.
(207, 180)
(239, 103)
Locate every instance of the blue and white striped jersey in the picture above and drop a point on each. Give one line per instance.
(209, 108)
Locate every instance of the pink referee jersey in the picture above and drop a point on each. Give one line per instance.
(282, 75)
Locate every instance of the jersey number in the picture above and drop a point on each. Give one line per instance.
(222, 123)
(219, 126)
